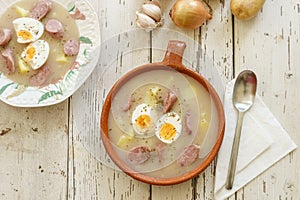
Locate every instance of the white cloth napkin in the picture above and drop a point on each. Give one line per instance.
(263, 142)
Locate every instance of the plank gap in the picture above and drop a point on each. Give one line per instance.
(233, 46)
(151, 48)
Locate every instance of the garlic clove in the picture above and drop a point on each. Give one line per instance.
(152, 11)
(145, 22)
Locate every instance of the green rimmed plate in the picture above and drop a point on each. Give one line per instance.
(26, 96)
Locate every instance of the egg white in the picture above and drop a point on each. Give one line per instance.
(28, 25)
(144, 109)
(169, 118)
(40, 56)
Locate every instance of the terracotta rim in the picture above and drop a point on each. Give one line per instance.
(173, 59)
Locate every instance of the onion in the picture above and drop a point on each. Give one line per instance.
(190, 14)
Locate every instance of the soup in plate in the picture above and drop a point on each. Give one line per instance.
(39, 42)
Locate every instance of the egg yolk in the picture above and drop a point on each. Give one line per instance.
(167, 131)
(143, 121)
(25, 35)
(30, 53)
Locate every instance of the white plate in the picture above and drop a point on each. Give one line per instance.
(26, 96)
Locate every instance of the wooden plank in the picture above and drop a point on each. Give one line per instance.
(91, 179)
(33, 153)
(208, 47)
(160, 38)
(269, 44)
(216, 39)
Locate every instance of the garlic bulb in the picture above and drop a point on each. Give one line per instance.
(149, 16)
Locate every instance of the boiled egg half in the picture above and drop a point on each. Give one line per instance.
(36, 54)
(28, 29)
(143, 120)
(168, 127)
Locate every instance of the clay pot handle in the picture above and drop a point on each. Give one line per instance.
(174, 53)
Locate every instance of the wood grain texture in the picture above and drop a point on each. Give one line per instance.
(39, 160)
(159, 42)
(269, 45)
(33, 154)
(216, 39)
(121, 50)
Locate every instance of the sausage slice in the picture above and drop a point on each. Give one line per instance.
(128, 105)
(139, 155)
(189, 155)
(187, 123)
(41, 76)
(55, 28)
(8, 57)
(71, 48)
(78, 15)
(5, 36)
(160, 149)
(41, 9)
(169, 101)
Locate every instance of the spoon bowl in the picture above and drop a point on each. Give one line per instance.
(244, 90)
(243, 98)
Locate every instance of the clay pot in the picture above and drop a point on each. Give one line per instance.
(172, 59)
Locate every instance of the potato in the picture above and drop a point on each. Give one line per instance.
(22, 66)
(246, 9)
(151, 97)
(124, 140)
(22, 12)
(204, 124)
(61, 58)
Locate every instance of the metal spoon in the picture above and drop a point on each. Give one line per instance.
(243, 98)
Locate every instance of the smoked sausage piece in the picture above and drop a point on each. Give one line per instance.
(189, 155)
(139, 155)
(41, 76)
(41, 9)
(8, 57)
(77, 15)
(128, 105)
(71, 48)
(187, 123)
(160, 149)
(55, 28)
(5, 36)
(169, 101)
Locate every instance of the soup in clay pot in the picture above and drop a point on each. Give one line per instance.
(160, 124)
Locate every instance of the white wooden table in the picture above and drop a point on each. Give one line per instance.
(42, 155)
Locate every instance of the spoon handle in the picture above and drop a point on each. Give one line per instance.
(234, 151)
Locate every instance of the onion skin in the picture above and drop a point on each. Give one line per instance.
(189, 14)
